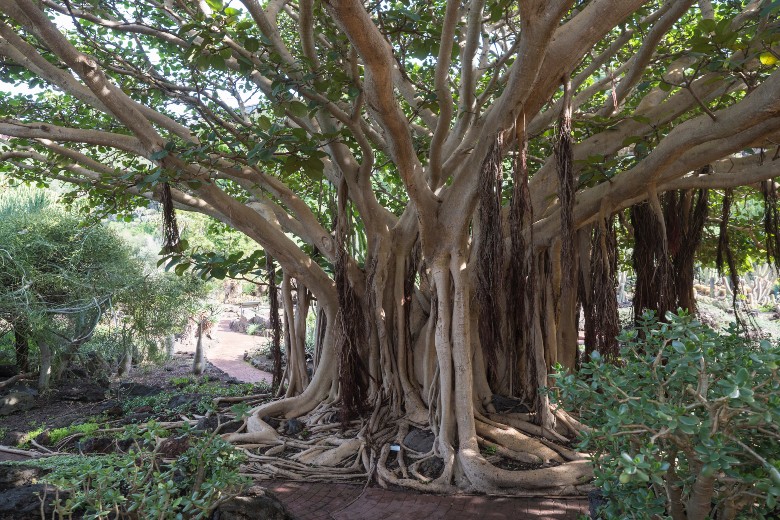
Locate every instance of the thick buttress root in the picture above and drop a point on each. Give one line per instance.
(510, 461)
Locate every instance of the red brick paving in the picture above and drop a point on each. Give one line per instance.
(320, 501)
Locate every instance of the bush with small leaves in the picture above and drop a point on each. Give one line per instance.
(685, 425)
(142, 484)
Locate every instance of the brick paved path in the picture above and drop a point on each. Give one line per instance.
(321, 501)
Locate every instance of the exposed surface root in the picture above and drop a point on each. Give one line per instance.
(374, 448)
(518, 422)
(513, 440)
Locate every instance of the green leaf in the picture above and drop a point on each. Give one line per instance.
(181, 268)
(252, 44)
(263, 122)
(742, 376)
(632, 139)
(298, 109)
(707, 25)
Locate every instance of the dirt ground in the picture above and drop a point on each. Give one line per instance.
(55, 411)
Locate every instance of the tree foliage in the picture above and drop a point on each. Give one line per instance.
(63, 279)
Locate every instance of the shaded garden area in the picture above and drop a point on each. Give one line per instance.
(502, 248)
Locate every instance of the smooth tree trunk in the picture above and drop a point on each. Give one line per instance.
(126, 363)
(45, 373)
(199, 361)
(170, 346)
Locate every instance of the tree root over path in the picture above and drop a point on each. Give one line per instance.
(373, 448)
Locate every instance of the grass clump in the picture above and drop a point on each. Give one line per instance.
(87, 428)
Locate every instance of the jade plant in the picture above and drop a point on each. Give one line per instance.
(685, 424)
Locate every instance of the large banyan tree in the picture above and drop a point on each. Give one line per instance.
(442, 178)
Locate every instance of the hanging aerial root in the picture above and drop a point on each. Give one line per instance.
(170, 233)
(490, 258)
(564, 158)
(771, 223)
(653, 268)
(274, 322)
(602, 324)
(350, 323)
(725, 253)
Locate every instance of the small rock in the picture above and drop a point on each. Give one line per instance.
(431, 467)
(103, 445)
(259, 320)
(256, 503)
(595, 501)
(24, 387)
(138, 390)
(16, 402)
(124, 445)
(179, 401)
(24, 503)
(43, 438)
(17, 476)
(239, 325)
(231, 426)
(419, 440)
(77, 373)
(208, 424)
(111, 408)
(14, 437)
(508, 405)
(173, 447)
(95, 364)
(294, 427)
(271, 421)
(232, 381)
(83, 391)
(8, 370)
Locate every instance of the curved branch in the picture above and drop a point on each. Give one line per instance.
(122, 142)
(639, 61)
(380, 65)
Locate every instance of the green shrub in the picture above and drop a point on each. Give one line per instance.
(140, 485)
(685, 425)
(254, 329)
